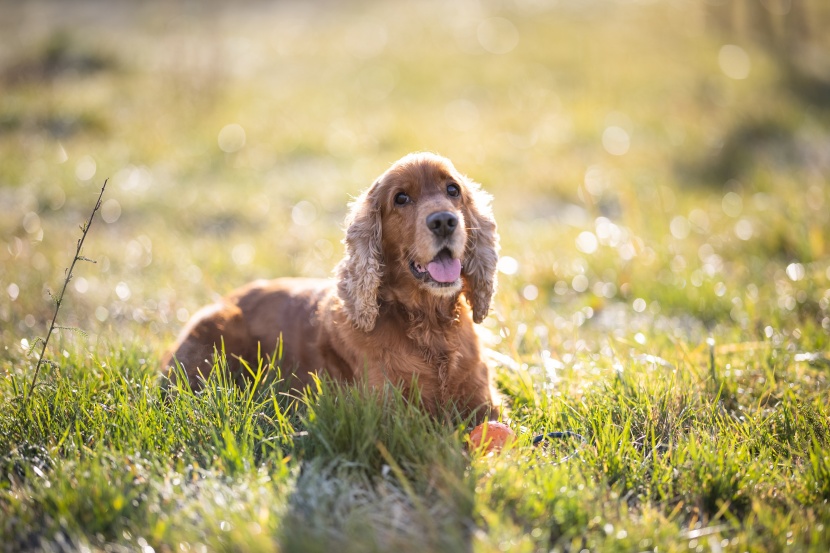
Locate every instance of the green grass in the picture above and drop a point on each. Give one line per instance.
(671, 304)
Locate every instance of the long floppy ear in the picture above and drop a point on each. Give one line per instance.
(360, 271)
(481, 253)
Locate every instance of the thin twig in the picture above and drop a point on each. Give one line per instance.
(59, 300)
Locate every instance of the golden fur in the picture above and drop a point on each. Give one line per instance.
(384, 318)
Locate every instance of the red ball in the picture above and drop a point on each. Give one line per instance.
(495, 436)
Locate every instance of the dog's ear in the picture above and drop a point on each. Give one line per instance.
(481, 253)
(359, 272)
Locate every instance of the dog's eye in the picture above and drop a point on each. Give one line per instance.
(401, 199)
(453, 190)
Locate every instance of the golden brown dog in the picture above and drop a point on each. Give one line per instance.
(419, 268)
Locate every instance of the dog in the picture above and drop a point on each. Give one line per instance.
(421, 249)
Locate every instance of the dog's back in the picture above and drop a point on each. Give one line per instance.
(264, 319)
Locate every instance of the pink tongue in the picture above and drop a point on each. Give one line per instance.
(444, 269)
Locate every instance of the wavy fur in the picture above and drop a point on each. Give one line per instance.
(481, 255)
(360, 271)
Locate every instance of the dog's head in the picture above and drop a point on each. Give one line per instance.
(421, 228)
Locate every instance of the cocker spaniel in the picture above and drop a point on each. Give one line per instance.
(419, 269)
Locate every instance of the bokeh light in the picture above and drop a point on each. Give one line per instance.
(231, 138)
(616, 141)
(303, 213)
(508, 265)
(734, 62)
(497, 35)
(110, 210)
(86, 168)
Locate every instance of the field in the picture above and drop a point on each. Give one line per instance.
(659, 172)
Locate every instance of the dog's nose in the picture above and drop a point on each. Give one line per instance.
(442, 223)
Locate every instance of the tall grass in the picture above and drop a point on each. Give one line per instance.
(104, 455)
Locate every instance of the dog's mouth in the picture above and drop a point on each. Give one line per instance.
(443, 270)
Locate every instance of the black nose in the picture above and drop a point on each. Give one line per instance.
(442, 223)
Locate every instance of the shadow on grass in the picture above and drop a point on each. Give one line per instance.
(377, 475)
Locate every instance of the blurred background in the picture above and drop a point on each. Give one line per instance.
(657, 166)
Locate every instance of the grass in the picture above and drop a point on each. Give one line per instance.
(667, 297)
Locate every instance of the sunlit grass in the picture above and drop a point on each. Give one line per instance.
(664, 289)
